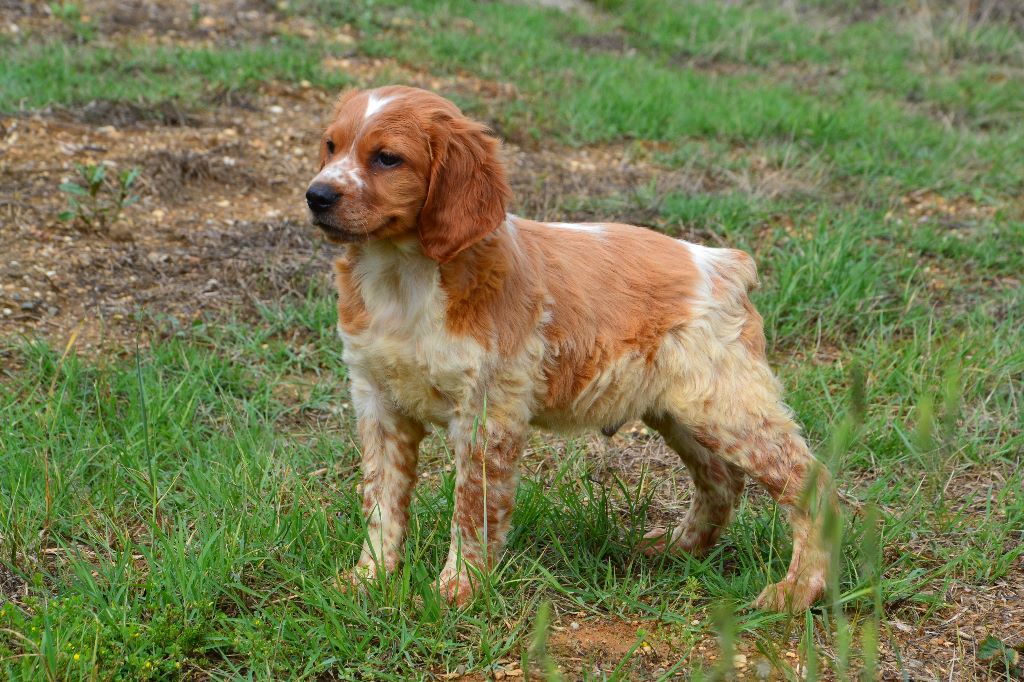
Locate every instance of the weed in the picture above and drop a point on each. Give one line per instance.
(71, 15)
(96, 201)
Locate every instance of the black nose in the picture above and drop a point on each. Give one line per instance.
(321, 197)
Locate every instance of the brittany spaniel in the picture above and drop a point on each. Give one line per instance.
(457, 314)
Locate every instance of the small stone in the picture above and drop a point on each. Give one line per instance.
(29, 305)
(223, 203)
(158, 213)
(275, 109)
(459, 671)
(120, 233)
(574, 625)
(739, 661)
(7, 311)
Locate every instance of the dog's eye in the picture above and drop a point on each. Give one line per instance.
(386, 160)
(330, 147)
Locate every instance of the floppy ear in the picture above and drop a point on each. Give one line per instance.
(468, 191)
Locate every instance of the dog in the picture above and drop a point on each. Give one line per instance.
(455, 313)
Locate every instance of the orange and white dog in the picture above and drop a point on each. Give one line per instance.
(448, 304)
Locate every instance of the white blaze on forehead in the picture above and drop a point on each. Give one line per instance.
(375, 104)
(579, 227)
(342, 172)
(345, 171)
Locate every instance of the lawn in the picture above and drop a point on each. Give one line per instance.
(178, 458)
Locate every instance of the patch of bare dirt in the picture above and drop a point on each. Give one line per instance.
(945, 646)
(172, 22)
(616, 43)
(220, 220)
(598, 646)
(584, 646)
(12, 587)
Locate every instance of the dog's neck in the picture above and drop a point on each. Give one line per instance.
(406, 249)
(398, 284)
(398, 281)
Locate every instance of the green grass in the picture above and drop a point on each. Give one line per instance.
(48, 73)
(188, 509)
(165, 510)
(859, 119)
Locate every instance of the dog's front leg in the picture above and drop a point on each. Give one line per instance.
(390, 442)
(486, 462)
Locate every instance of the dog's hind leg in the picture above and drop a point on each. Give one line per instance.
(717, 489)
(743, 421)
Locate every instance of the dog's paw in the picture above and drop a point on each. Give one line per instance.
(660, 542)
(455, 587)
(792, 595)
(359, 576)
(657, 542)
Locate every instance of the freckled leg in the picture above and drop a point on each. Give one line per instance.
(803, 487)
(390, 451)
(768, 447)
(743, 421)
(485, 488)
(717, 489)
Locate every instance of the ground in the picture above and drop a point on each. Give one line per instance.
(179, 476)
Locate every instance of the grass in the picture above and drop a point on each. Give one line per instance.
(187, 507)
(168, 513)
(56, 73)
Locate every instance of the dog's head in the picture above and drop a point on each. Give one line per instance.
(399, 160)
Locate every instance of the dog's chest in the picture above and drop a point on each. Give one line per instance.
(405, 349)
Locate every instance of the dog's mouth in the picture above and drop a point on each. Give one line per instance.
(340, 235)
(335, 234)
